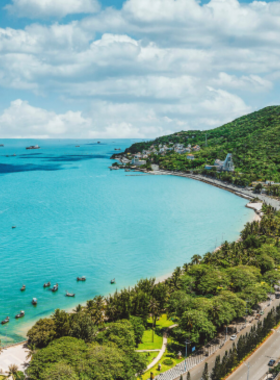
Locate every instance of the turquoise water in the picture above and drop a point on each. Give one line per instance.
(74, 217)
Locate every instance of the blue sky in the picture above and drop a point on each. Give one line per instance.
(140, 68)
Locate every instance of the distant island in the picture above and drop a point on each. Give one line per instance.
(243, 152)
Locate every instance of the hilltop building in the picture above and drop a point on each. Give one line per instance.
(226, 165)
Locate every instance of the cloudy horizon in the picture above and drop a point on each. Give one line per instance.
(134, 69)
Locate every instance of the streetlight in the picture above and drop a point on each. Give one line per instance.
(248, 366)
(186, 343)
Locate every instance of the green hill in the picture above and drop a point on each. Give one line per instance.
(254, 141)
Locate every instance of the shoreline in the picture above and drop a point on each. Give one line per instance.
(24, 329)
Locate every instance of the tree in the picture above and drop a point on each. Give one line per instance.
(32, 350)
(120, 333)
(62, 323)
(82, 327)
(155, 311)
(60, 371)
(12, 371)
(196, 259)
(42, 333)
(205, 374)
(138, 328)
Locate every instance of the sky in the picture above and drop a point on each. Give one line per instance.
(135, 68)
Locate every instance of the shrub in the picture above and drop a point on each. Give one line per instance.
(168, 362)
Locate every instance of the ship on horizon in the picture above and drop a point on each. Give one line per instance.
(33, 147)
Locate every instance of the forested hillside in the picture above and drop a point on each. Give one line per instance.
(254, 141)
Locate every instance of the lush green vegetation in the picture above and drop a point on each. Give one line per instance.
(99, 340)
(254, 141)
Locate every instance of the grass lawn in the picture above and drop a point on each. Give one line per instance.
(147, 343)
(163, 322)
(171, 353)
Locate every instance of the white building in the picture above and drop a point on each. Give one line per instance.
(190, 157)
(135, 161)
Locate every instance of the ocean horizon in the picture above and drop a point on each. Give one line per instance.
(74, 217)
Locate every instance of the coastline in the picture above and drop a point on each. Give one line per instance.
(22, 331)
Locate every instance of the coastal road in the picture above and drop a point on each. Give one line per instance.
(258, 361)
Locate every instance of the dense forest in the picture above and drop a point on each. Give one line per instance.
(203, 296)
(254, 141)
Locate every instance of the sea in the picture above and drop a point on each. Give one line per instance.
(74, 217)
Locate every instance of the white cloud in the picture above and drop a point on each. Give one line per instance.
(155, 67)
(51, 8)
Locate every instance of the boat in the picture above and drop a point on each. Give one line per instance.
(5, 321)
(23, 288)
(113, 281)
(14, 155)
(1, 145)
(47, 284)
(81, 278)
(69, 294)
(34, 301)
(117, 148)
(33, 147)
(77, 146)
(14, 227)
(127, 170)
(54, 288)
(98, 142)
(20, 315)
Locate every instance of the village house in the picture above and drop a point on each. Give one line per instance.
(190, 157)
(135, 161)
(196, 148)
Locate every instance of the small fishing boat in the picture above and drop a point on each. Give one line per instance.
(81, 278)
(23, 288)
(14, 227)
(69, 294)
(113, 281)
(98, 142)
(77, 146)
(1, 145)
(47, 285)
(34, 301)
(54, 288)
(5, 321)
(20, 315)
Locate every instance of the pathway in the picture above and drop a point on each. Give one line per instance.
(162, 350)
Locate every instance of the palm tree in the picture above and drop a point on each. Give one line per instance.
(32, 351)
(13, 369)
(78, 308)
(196, 259)
(154, 310)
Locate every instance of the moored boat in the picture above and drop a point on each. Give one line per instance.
(81, 278)
(69, 294)
(34, 301)
(6, 320)
(23, 288)
(14, 227)
(20, 315)
(47, 284)
(113, 281)
(54, 288)
(33, 147)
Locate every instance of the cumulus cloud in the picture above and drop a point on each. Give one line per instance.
(51, 8)
(147, 69)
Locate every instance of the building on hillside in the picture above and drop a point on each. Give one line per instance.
(209, 167)
(196, 148)
(228, 165)
(135, 161)
(190, 157)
